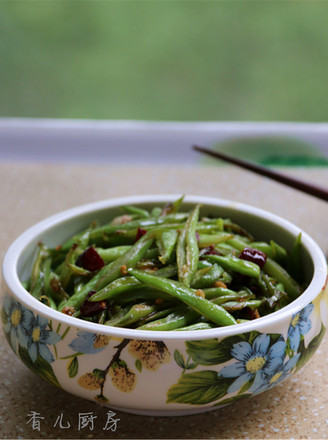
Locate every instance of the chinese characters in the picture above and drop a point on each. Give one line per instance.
(85, 420)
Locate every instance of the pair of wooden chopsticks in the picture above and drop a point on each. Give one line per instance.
(313, 190)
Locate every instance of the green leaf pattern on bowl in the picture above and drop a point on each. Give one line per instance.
(242, 365)
(251, 363)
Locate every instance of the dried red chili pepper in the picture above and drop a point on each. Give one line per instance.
(90, 260)
(91, 308)
(140, 233)
(254, 255)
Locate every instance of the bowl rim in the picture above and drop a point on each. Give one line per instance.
(10, 275)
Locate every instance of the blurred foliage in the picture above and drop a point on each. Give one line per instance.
(164, 60)
(273, 151)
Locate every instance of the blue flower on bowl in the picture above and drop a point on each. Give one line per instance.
(255, 362)
(268, 381)
(37, 337)
(15, 319)
(89, 343)
(28, 331)
(300, 325)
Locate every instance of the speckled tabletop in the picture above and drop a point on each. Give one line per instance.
(297, 408)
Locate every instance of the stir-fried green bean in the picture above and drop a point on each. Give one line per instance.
(187, 249)
(274, 269)
(210, 310)
(181, 317)
(162, 269)
(235, 264)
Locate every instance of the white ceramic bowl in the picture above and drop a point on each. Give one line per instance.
(163, 373)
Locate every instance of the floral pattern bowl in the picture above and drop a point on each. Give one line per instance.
(163, 373)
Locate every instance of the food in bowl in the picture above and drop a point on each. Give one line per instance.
(190, 371)
(166, 270)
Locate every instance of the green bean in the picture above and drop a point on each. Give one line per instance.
(78, 285)
(214, 292)
(278, 253)
(237, 243)
(134, 314)
(184, 272)
(270, 288)
(84, 238)
(111, 254)
(143, 223)
(235, 264)
(156, 212)
(232, 306)
(116, 287)
(192, 251)
(217, 293)
(199, 275)
(56, 290)
(35, 279)
(187, 249)
(77, 270)
(177, 204)
(67, 271)
(262, 284)
(144, 294)
(41, 283)
(78, 297)
(129, 259)
(124, 284)
(218, 223)
(180, 318)
(117, 316)
(46, 268)
(204, 264)
(274, 302)
(38, 287)
(207, 277)
(112, 271)
(52, 287)
(209, 239)
(171, 208)
(274, 269)
(223, 300)
(121, 237)
(227, 249)
(155, 316)
(197, 326)
(168, 271)
(129, 233)
(280, 287)
(204, 307)
(166, 243)
(102, 317)
(142, 213)
(295, 266)
(181, 254)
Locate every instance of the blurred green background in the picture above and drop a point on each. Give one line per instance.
(164, 60)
